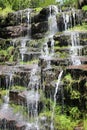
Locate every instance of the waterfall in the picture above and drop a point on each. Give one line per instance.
(75, 42)
(52, 20)
(56, 90)
(23, 48)
(28, 20)
(32, 98)
(47, 52)
(66, 20)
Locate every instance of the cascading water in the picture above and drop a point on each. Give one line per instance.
(56, 90)
(66, 20)
(75, 47)
(32, 98)
(47, 52)
(28, 21)
(23, 48)
(52, 20)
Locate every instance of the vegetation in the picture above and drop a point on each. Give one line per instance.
(21, 4)
(72, 3)
(84, 8)
(19, 109)
(82, 27)
(5, 11)
(19, 88)
(3, 92)
(7, 54)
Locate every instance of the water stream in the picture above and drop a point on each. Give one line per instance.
(56, 91)
(47, 52)
(75, 48)
(33, 97)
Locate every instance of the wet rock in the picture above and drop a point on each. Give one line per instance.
(54, 61)
(39, 28)
(60, 23)
(5, 43)
(69, 19)
(64, 39)
(41, 16)
(20, 126)
(31, 56)
(13, 31)
(76, 71)
(13, 96)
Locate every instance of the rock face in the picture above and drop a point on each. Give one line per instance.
(41, 16)
(18, 23)
(38, 29)
(69, 19)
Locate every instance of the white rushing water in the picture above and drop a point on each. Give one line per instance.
(48, 53)
(75, 42)
(56, 90)
(66, 20)
(23, 48)
(32, 98)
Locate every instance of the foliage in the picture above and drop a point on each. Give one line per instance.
(22, 4)
(75, 94)
(68, 78)
(15, 4)
(41, 3)
(84, 8)
(72, 3)
(7, 54)
(85, 124)
(62, 122)
(5, 11)
(75, 113)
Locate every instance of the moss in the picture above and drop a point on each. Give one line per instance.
(10, 50)
(84, 8)
(19, 88)
(82, 27)
(11, 59)
(38, 9)
(3, 92)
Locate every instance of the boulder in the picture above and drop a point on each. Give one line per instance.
(13, 31)
(63, 39)
(41, 16)
(39, 28)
